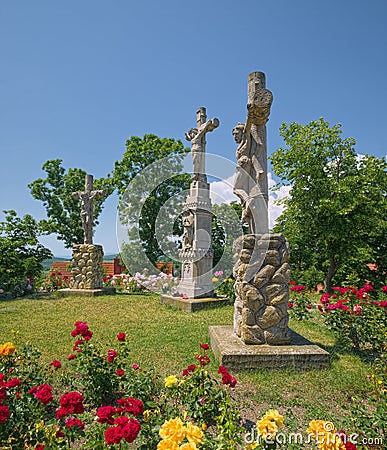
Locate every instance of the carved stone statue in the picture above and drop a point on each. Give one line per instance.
(251, 173)
(188, 224)
(197, 136)
(87, 207)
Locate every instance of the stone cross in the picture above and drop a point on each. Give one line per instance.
(87, 207)
(250, 183)
(198, 138)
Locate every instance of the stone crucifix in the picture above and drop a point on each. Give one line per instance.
(197, 136)
(87, 207)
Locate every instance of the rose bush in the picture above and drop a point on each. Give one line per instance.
(357, 316)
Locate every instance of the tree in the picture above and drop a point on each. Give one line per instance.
(337, 205)
(148, 177)
(21, 254)
(63, 211)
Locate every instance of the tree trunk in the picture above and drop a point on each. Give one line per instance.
(333, 266)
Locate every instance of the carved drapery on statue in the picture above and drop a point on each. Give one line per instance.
(197, 137)
(87, 207)
(261, 267)
(250, 183)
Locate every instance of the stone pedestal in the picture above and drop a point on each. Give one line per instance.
(196, 257)
(299, 354)
(86, 267)
(191, 305)
(262, 275)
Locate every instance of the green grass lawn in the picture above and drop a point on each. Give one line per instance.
(167, 339)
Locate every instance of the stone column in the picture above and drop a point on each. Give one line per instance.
(262, 275)
(196, 256)
(86, 267)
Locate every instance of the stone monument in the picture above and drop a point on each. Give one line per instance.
(196, 255)
(260, 336)
(86, 264)
(261, 268)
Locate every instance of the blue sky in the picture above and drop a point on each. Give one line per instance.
(78, 78)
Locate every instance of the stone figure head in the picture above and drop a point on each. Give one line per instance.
(238, 132)
(201, 115)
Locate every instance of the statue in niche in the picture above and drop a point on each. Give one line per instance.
(188, 225)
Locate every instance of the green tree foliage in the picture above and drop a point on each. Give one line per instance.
(335, 216)
(63, 211)
(162, 159)
(21, 254)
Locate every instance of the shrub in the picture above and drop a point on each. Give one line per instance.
(357, 316)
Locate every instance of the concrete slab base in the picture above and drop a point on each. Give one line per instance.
(234, 354)
(85, 292)
(194, 304)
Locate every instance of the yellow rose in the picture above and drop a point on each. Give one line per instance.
(7, 349)
(275, 416)
(188, 446)
(167, 445)
(214, 279)
(267, 429)
(173, 430)
(170, 381)
(193, 434)
(320, 427)
(316, 427)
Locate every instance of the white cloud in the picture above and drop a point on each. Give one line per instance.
(222, 192)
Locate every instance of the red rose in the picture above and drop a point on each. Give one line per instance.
(189, 369)
(121, 336)
(131, 405)
(42, 393)
(81, 328)
(131, 429)
(204, 346)
(71, 403)
(222, 369)
(74, 422)
(113, 435)
(13, 383)
(105, 414)
(72, 356)
(112, 354)
(4, 413)
(57, 364)
(135, 366)
(120, 372)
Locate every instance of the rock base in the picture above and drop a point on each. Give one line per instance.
(86, 267)
(234, 354)
(194, 304)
